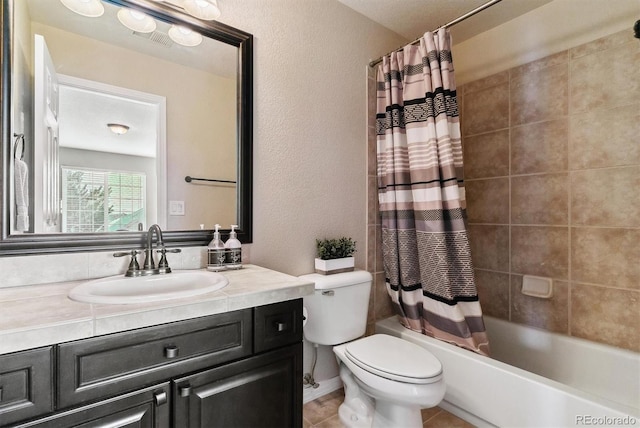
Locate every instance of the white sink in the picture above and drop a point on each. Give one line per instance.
(153, 288)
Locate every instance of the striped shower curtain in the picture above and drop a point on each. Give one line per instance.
(426, 253)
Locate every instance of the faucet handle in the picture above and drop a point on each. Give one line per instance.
(134, 267)
(173, 250)
(163, 264)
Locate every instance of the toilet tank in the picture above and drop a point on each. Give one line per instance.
(337, 310)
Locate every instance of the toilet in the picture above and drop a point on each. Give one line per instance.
(387, 380)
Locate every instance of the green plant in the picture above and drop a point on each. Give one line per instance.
(328, 249)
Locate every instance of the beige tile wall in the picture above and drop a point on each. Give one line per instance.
(552, 170)
(552, 154)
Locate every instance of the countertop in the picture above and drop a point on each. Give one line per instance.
(40, 315)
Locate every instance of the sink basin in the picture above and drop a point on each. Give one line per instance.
(144, 289)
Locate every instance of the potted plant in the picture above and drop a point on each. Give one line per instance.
(335, 255)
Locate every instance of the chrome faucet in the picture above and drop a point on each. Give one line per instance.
(149, 267)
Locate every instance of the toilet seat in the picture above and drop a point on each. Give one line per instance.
(394, 358)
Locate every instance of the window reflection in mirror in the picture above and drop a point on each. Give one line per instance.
(74, 160)
(102, 200)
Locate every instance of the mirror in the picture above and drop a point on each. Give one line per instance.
(188, 111)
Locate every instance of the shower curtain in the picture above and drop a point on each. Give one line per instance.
(427, 259)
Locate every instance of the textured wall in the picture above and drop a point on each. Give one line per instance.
(310, 106)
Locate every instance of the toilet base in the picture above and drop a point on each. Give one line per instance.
(357, 409)
(388, 415)
(360, 410)
(384, 415)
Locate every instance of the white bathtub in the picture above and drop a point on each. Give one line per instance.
(560, 381)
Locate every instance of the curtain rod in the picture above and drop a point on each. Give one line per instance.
(448, 24)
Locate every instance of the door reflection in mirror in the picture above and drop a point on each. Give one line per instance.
(46, 126)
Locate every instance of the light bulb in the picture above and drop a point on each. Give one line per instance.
(184, 36)
(136, 21)
(89, 8)
(203, 9)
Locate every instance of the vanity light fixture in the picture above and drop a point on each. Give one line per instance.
(118, 128)
(203, 9)
(89, 8)
(184, 36)
(136, 21)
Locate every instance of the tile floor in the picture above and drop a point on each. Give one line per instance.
(323, 413)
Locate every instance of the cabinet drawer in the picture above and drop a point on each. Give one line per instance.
(277, 325)
(109, 365)
(146, 408)
(25, 385)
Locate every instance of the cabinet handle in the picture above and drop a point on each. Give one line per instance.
(184, 391)
(280, 326)
(0, 393)
(160, 397)
(171, 351)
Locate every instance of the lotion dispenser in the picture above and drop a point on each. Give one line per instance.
(234, 250)
(216, 252)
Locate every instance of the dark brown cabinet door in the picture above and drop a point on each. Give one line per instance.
(25, 385)
(261, 391)
(147, 408)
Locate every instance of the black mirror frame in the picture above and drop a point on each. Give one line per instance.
(30, 244)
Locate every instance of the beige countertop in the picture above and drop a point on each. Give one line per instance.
(39, 315)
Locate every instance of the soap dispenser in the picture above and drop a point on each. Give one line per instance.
(234, 250)
(216, 252)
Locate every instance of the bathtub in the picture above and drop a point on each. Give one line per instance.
(535, 378)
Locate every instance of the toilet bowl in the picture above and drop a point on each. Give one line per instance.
(387, 381)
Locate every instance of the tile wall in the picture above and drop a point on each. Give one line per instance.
(552, 170)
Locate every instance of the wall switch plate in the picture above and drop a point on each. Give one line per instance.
(176, 207)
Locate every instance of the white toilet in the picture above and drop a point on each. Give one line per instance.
(387, 380)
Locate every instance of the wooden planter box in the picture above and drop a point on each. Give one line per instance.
(328, 267)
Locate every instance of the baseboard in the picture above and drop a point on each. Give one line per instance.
(324, 387)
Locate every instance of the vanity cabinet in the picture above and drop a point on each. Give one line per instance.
(236, 369)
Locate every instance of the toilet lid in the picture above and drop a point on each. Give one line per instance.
(394, 358)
